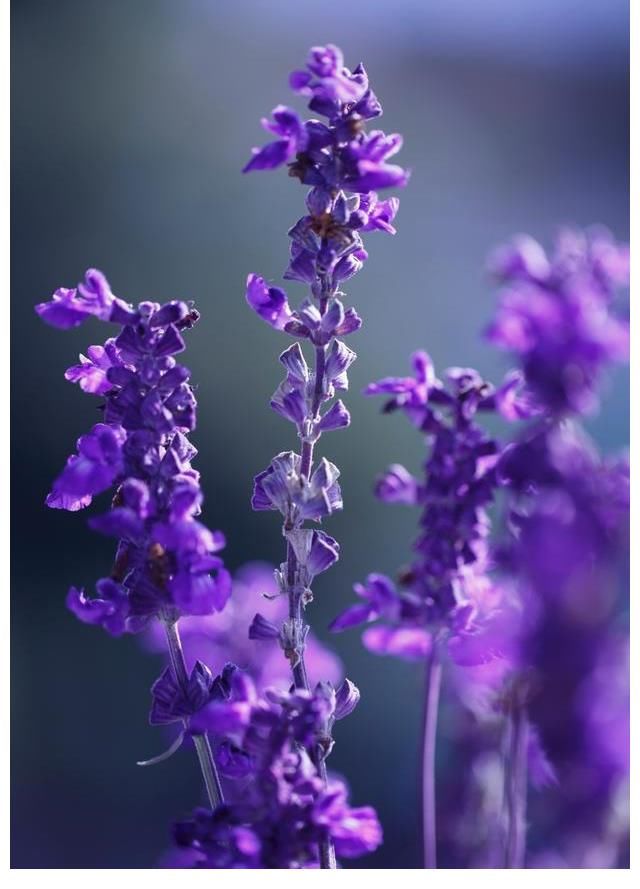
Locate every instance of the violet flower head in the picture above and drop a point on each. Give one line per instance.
(284, 809)
(565, 534)
(556, 315)
(167, 562)
(344, 166)
(446, 592)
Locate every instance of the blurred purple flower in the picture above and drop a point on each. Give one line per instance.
(446, 592)
(556, 315)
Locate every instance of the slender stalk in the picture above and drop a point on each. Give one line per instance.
(296, 608)
(516, 787)
(433, 678)
(201, 742)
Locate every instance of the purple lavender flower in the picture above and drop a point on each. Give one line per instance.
(286, 810)
(270, 303)
(293, 139)
(69, 307)
(334, 159)
(446, 592)
(173, 703)
(556, 315)
(566, 515)
(340, 154)
(344, 166)
(283, 487)
(166, 562)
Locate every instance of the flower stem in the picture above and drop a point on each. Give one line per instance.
(515, 773)
(296, 609)
(433, 677)
(201, 742)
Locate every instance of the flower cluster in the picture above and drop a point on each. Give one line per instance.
(567, 510)
(446, 592)
(282, 809)
(167, 562)
(566, 518)
(343, 165)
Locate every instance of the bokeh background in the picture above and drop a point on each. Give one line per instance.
(131, 122)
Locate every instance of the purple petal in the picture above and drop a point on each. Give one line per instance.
(269, 157)
(270, 303)
(221, 717)
(337, 417)
(347, 699)
(406, 643)
(295, 363)
(397, 485)
(390, 386)
(324, 552)
(262, 629)
(373, 176)
(350, 617)
(119, 522)
(61, 311)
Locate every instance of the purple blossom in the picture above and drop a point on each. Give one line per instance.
(327, 79)
(565, 531)
(70, 307)
(172, 703)
(166, 562)
(293, 140)
(270, 303)
(282, 487)
(109, 609)
(446, 592)
(335, 159)
(397, 485)
(91, 373)
(281, 816)
(556, 316)
(91, 471)
(343, 166)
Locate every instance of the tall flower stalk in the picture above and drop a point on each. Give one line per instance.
(445, 605)
(167, 563)
(567, 507)
(343, 164)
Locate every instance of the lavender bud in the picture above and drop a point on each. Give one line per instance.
(347, 698)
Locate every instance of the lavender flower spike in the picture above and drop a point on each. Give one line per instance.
(280, 817)
(344, 166)
(445, 602)
(565, 526)
(166, 563)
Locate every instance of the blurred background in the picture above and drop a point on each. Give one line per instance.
(131, 122)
